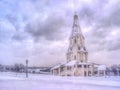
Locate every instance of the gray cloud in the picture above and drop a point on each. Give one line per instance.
(50, 29)
(52, 20)
(102, 19)
(86, 14)
(13, 20)
(113, 45)
(18, 36)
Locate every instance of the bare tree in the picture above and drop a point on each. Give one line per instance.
(19, 67)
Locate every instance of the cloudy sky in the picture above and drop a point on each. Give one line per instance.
(39, 30)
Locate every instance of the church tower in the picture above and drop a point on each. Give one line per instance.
(77, 50)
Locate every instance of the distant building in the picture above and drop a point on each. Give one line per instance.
(39, 70)
(114, 70)
(77, 57)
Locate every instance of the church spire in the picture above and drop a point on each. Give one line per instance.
(76, 21)
(76, 28)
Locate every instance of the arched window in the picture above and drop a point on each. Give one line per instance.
(84, 48)
(75, 57)
(81, 60)
(75, 41)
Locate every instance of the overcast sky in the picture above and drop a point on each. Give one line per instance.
(39, 30)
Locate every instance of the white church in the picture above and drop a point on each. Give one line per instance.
(77, 57)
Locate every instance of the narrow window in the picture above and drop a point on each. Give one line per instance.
(85, 66)
(78, 48)
(75, 41)
(79, 66)
(75, 57)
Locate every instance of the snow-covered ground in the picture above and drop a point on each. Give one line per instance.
(17, 81)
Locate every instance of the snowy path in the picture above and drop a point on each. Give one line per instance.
(11, 81)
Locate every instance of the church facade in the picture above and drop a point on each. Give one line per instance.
(77, 56)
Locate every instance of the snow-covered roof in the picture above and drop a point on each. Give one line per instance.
(101, 67)
(82, 50)
(71, 63)
(57, 66)
(84, 63)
